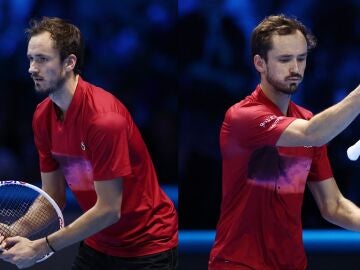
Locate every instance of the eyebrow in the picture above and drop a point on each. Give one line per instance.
(37, 55)
(291, 55)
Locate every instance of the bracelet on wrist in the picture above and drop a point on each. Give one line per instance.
(48, 243)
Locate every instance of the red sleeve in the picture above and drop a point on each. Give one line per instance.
(42, 143)
(320, 166)
(255, 126)
(108, 139)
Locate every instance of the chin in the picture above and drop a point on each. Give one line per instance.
(41, 91)
(288, 90)
(293, 87)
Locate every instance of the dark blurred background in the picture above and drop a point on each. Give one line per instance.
(130, 51)
(178, 66)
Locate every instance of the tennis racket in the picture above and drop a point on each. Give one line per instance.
(28, 211)
(353, 152)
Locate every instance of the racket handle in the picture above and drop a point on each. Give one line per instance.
(353, 152)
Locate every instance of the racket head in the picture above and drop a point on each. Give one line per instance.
(16, 198)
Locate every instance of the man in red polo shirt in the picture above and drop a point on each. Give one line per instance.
(271, 148)
(86, 138)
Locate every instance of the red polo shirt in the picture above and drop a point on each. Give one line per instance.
(98, 141)
(263, 186)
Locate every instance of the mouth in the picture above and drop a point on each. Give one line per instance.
(294, 78)
(37, 79)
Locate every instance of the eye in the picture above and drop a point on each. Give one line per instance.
(301, 59)
(41, 59)
(284, 60)
(38, 59)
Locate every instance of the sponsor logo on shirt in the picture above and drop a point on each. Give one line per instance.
(268, 120)
(82, 145)
(275, 123)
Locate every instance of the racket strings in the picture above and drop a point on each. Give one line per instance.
(14, 203)
(5, 230)
(24, 213)
(43, 220)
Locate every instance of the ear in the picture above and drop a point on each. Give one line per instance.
(70, 62)
(259, 63)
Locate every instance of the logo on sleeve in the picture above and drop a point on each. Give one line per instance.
(268, 120)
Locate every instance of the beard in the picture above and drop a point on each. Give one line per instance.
(284, 87)
(53, 88)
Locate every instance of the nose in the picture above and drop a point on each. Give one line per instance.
(33, 68)
(294, 68)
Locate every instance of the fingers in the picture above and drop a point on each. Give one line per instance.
(7, 243)
(17, 250)
(4, 253)
(5, 246)
(10, 241)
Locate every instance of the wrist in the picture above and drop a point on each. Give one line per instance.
(41, 248)
(48, 243)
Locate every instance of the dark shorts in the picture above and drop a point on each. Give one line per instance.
(90, 259)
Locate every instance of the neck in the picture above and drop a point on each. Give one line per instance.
(280, 99)
(62, 98)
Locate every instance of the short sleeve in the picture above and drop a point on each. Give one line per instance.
(320, 167)
(42, 143)
(108, 141)
(254, 126)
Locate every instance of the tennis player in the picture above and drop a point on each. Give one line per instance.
(87, 139)
(271, 148)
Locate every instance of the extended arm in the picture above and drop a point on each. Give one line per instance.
(31, 222)
(104, 213)
(324, 126)
(334, 207)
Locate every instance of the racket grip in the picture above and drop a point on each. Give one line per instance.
(353, 152)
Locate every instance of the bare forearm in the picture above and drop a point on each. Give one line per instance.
(91, 222)
(346, 215)
(326, 125)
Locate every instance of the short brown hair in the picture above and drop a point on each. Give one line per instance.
(67, 38)
(277, 24)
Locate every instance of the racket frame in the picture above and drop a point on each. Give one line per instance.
(47, 196)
